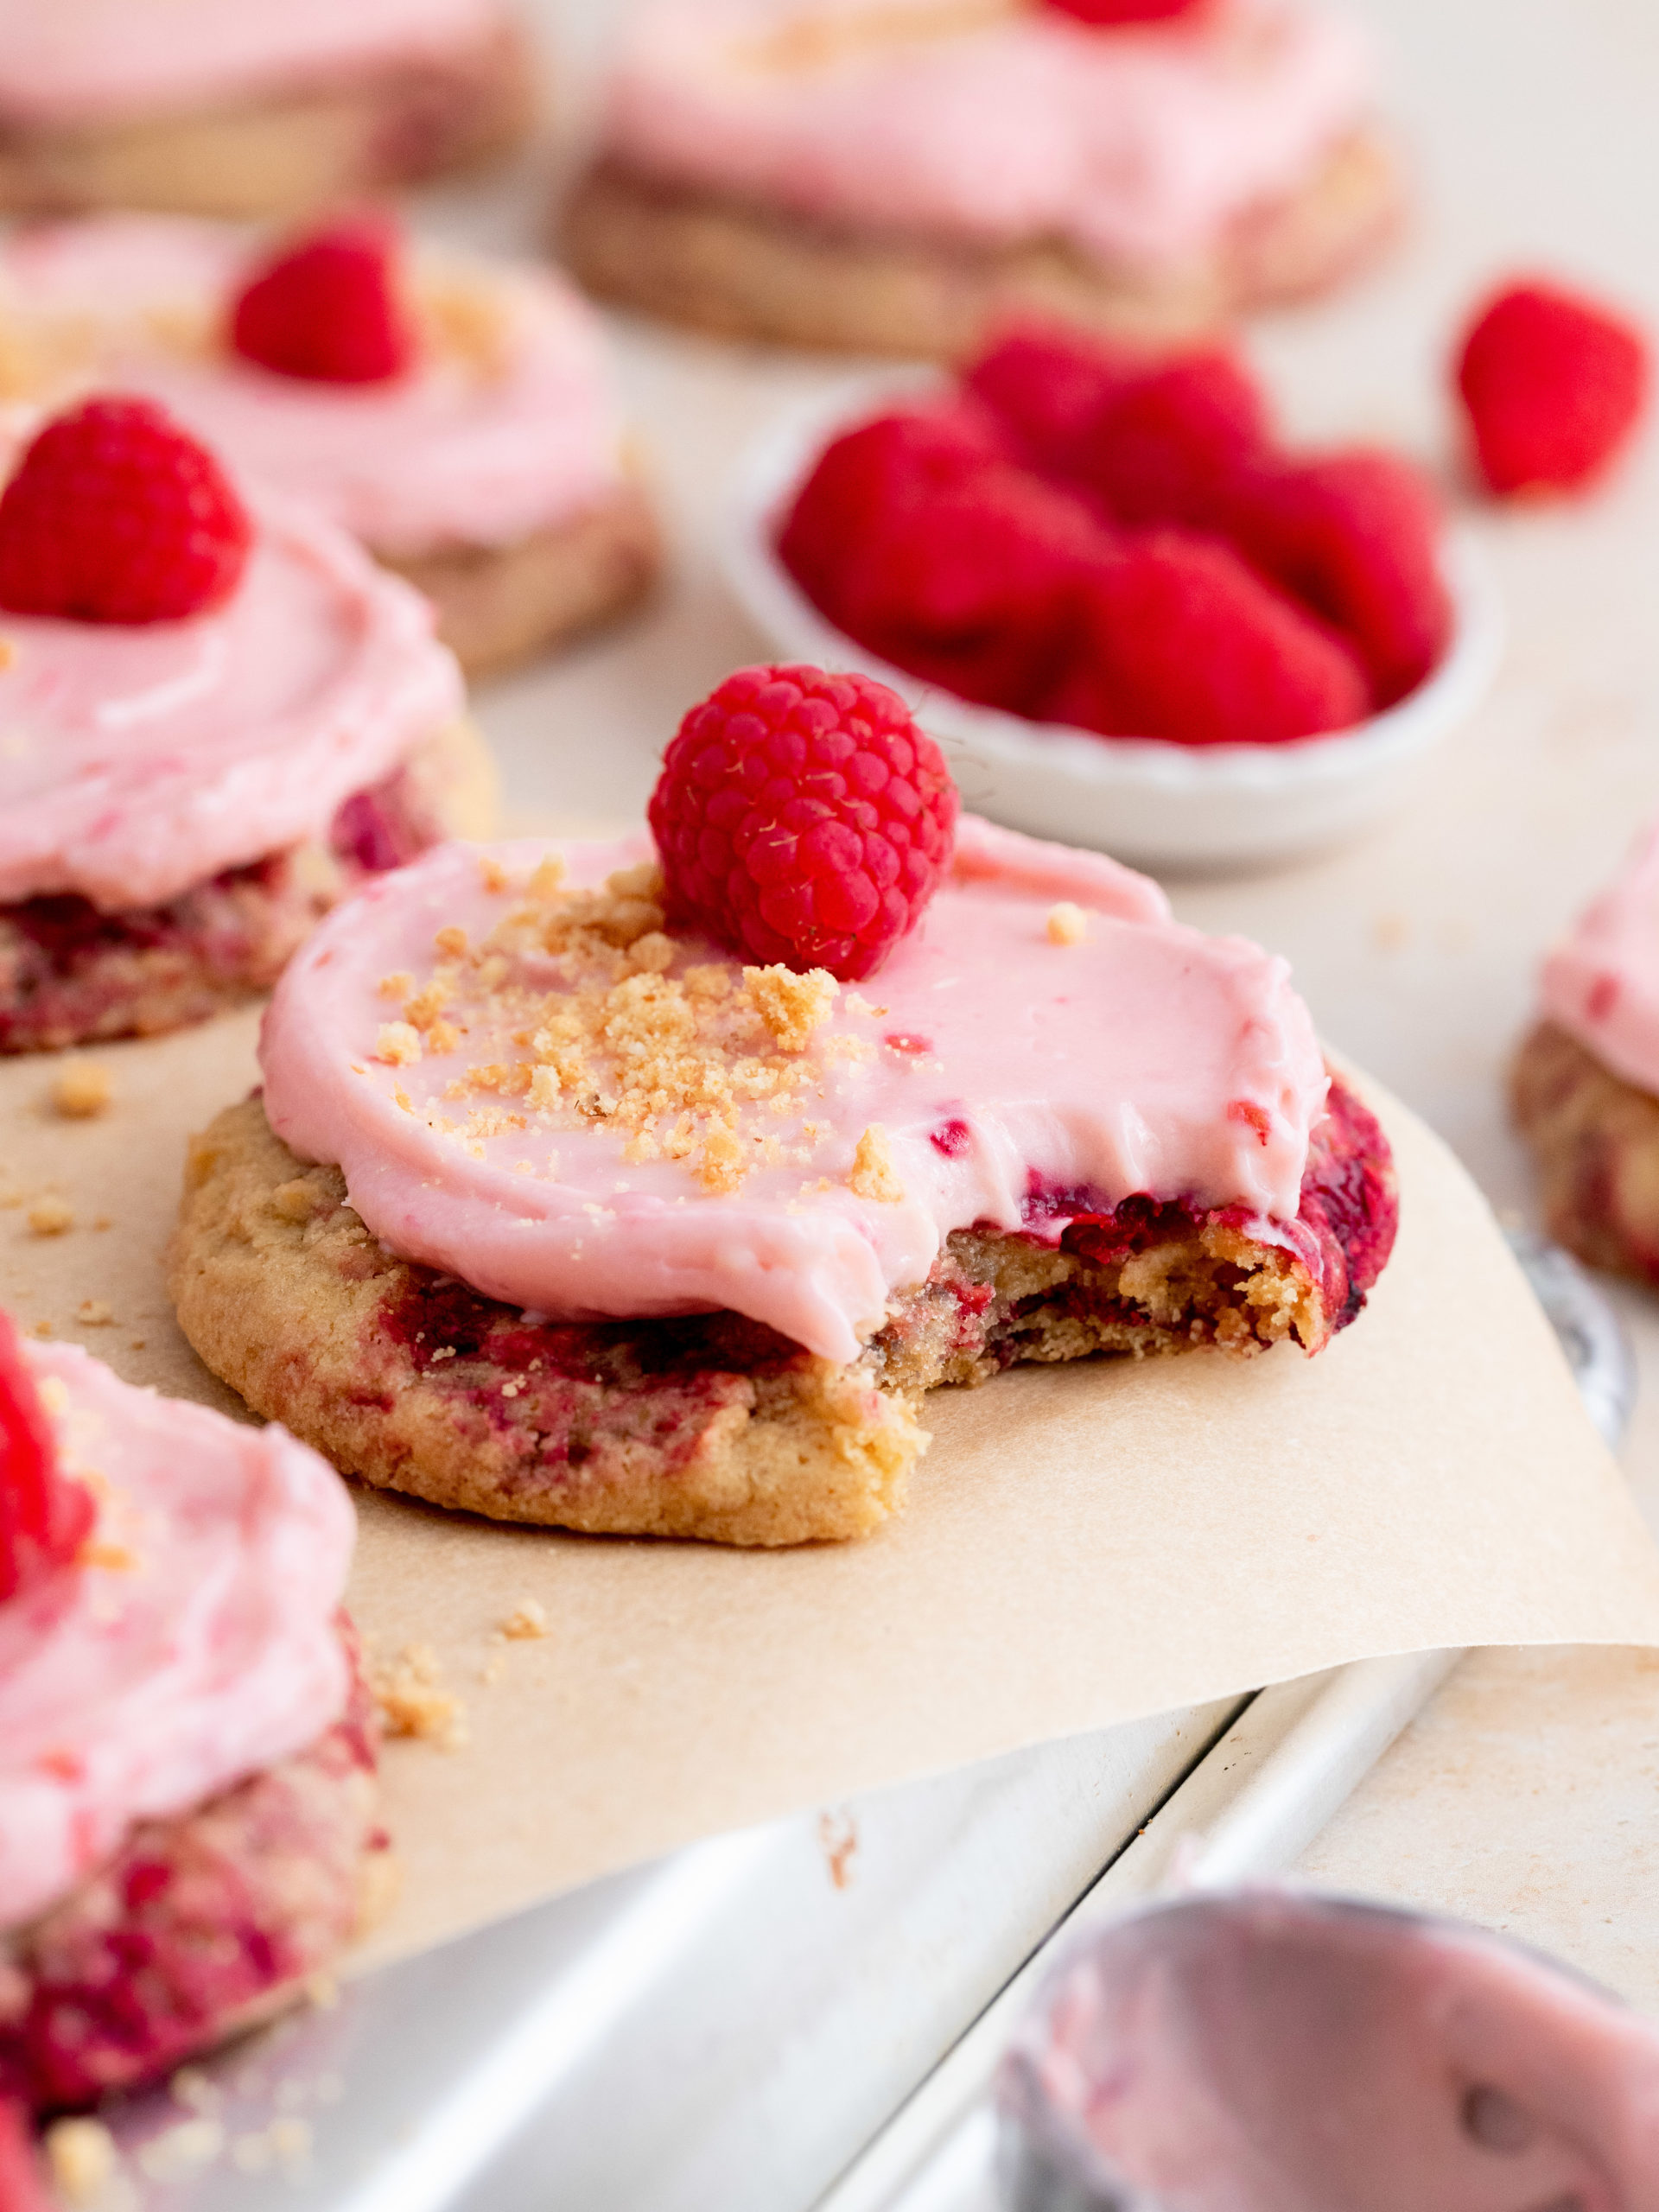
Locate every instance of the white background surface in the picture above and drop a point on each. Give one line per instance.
(1528, 1794)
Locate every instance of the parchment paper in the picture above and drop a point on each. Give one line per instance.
(1082, 1546)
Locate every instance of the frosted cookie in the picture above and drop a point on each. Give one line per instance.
(218, 718)
(454, 415)
(898, 178)
(187, 1822)
(1585, 1087)
(219, 107)
(584, 1190)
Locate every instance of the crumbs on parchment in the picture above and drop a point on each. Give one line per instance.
(413, 1700)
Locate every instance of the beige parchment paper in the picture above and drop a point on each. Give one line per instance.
(1082, 1546)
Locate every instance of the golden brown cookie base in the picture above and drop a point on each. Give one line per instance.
(746, 271)
(1595, 1139)
(499, 605)
(283, 152)
(709, 1425)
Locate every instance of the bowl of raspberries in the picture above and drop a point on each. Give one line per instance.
(1131, 615)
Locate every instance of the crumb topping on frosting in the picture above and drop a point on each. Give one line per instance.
(620, 1022)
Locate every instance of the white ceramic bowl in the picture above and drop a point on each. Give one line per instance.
(1144, 799)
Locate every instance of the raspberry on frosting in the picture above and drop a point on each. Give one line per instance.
(1553, 385)
(803, 818)
(1105, 14)
(44, 1516)
(328, 308)
(116, 514)
(1180, 638)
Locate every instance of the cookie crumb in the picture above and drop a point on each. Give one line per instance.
(873, 1175)
(413, 1703)
(51, 1216)
(791, 1005)
(93, 1313)
(82, 2158)
(527, 1619)
(43, 1328)
(398, 985)
(82, 1088)
(1067, 923)
(493, 875)
(103, 1221)
(398, 1044)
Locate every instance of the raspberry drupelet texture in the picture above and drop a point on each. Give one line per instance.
(327, 308)
(44, 1516)
(1553, 385)
(803, 817)
(116, 514)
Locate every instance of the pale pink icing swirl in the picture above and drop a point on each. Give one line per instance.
(138, 760)
(1148, 1057)
(197, 1646)
(1601, 983)
(1141, 145)
(463, 450)
(75, 61)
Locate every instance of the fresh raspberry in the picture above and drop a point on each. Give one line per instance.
(1048, 384)
(973, 587)
(44, 1516)
(1182, 641)
(867, 472)
(1357, 536)
(1553, 385)
(1103, 13)
(328, 308)
(805, 819)
(1166, 444)
(115, 514)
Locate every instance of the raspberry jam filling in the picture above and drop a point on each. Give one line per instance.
(1138, 143)
(532, 1085)
(490, 417)
(191, 1641)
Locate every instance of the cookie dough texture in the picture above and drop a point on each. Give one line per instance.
(282, 152)
(745, 270)
(1595, 1140)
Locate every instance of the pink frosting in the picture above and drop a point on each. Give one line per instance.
(1139, 145)
(195, 1644)
(1003, 1067)
(1601, 984)
(137, 760)
(462, 451)
(73, 62)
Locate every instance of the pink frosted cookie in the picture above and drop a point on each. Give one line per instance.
(209, 740)
(456, 416)
(574, 1197)
(1585, 1087)
(219, 107)
(901, 178)
(186, 1765)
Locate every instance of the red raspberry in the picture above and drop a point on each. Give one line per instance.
(1106, 12)
(973, 587)
(44, 1516)
(1048, 384)
(22, 2185)
(1165, 445)
(804, 817)
(1181, 640)
(327, 308)
(867, 472)
(1553, 385)
(115, 514)
(1357, 536)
